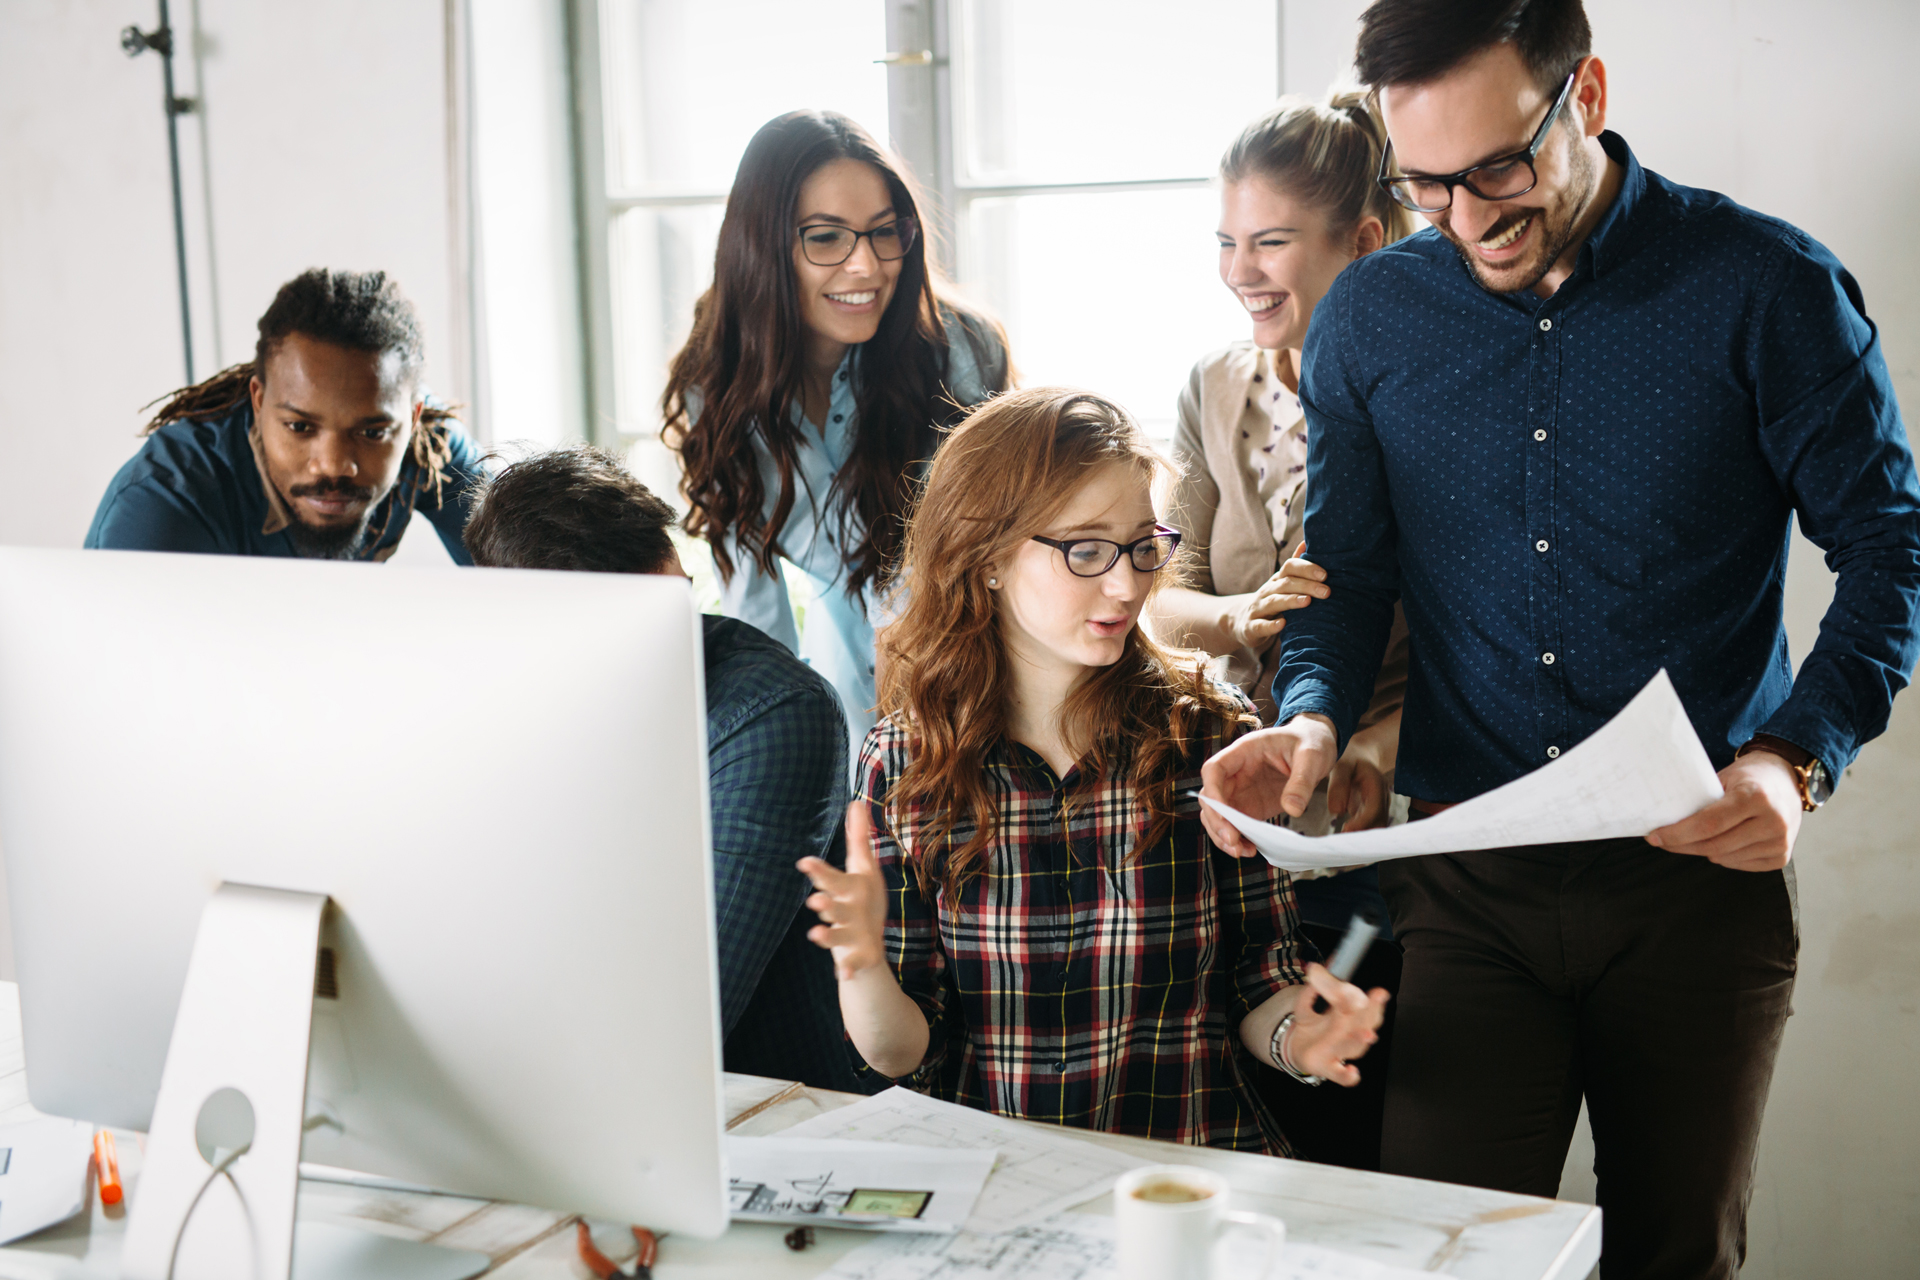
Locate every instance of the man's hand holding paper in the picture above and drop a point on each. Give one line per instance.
(1643, 770)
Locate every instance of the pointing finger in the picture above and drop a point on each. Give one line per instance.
(824, 875)
(860, 859)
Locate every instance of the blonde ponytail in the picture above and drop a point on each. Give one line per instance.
(1326, 153)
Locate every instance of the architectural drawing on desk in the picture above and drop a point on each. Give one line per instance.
(818, 1196)
(1040, 1170)
(1052, 1250)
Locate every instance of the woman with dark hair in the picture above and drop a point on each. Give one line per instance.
(1033, 920)
(823, 366)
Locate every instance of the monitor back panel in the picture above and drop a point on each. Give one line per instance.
(499, 778)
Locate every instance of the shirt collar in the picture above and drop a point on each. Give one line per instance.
(1615, 228)
(278, 514)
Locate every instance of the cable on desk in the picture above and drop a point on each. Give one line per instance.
(225, 1162)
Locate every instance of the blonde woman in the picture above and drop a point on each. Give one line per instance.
(1298, 203)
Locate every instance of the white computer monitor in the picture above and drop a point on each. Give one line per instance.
(497, 780)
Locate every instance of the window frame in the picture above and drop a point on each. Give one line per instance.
(921, 117)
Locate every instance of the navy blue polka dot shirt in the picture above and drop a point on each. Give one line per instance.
(1571, 493)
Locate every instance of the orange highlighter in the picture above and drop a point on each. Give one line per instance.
(107, 1168)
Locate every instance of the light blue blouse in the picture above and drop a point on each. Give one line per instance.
(839, 634)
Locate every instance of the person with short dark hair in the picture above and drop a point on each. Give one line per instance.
(1632, 386)
(776, 751)
(324, 445)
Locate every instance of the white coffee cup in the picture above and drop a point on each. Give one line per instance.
(1172, 1216)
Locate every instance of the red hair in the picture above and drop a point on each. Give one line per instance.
(999, 478)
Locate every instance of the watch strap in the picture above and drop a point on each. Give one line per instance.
(1800, 760)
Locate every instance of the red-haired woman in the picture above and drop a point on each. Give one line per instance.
(1040, 926)
(823, 365)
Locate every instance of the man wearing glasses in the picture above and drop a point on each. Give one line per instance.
(1634, 384)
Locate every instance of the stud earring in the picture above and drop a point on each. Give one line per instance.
(993, 582)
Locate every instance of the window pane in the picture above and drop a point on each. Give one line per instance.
(1118, 293)
(1060, 91)
(662, 260)
(687, 82)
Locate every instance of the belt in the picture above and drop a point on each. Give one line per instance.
(1418, 809)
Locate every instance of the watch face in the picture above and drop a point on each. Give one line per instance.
(1819, 785)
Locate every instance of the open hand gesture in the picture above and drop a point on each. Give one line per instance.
(851, 904)
(1325, 1044)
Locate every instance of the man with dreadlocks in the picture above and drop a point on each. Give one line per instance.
(321, 446)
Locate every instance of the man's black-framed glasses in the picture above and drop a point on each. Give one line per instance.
(827, 245)
(1091, 557)
(1501, 179)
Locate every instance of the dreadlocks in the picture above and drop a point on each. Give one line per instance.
(358, 310)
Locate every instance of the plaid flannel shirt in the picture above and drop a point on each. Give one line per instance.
(1074, 985)
(776, 753)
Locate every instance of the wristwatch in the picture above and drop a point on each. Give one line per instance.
(1277, 1051)
(1809, 774)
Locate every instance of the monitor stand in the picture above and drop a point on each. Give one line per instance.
(221, 1175)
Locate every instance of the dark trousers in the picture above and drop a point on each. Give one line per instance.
(1328, 1124)
(1656, 985)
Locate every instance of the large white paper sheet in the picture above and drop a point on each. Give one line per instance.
(1038, 1172)
(877, 1186)
(1081, 1246)
(1642, 769)
(43, 1174)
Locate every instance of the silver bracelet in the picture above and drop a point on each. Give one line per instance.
(1277, 1051)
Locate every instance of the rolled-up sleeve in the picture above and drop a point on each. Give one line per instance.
(1257, 908)
(913, 927)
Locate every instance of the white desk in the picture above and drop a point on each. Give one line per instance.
(1425, 1226)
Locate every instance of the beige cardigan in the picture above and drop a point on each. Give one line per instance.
(1237, 536)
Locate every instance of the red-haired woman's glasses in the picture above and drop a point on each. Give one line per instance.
(828, 246)
(1503, 179)
(1091, 557)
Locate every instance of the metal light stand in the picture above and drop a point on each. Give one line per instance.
(135, 42)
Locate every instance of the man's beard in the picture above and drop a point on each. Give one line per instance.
(1552, 236)
(332, 542)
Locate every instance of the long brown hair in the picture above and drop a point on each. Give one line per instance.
(999, 478)
(734, 383)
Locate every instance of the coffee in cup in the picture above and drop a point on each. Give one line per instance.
(1171, 1217)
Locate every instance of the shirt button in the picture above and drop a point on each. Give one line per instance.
(1060, 1066)
(1546, 326)
(1540, 545)
(1540, 434)
(1547, 658)
(839, 417)
(1553, 753)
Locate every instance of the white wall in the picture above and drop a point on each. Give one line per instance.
(327, 135)
(1801, 111)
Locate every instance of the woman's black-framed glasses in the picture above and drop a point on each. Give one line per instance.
(1501, 179)
(1091, 557)
(828, 245)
